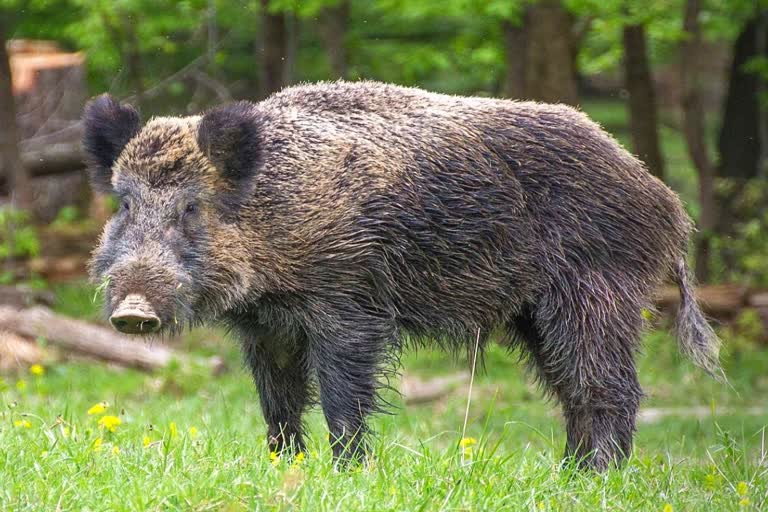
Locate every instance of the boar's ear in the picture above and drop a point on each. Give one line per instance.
(229, 137)
(109, 126)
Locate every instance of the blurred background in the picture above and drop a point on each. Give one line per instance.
(683, 84)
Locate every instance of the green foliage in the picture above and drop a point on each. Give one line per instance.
(745, 334)
(741, 252)
(759, 66)
(450, 45)
(66, 215)
(79, 299)
(18, 238)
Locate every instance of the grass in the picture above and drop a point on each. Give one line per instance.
(190, 441)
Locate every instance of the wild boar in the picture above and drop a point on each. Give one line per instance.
(330, 222)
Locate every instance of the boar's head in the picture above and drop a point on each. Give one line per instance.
(174, 253)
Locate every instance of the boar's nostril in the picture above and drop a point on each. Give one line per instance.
(135, 316)
(136, 324)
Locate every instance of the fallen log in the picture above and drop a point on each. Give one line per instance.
(78, 336)
(53, 158)
(418, 391)
(721, 301)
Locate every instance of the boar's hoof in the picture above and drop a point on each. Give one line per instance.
(135, 316)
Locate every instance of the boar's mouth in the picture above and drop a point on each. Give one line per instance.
(135, 315)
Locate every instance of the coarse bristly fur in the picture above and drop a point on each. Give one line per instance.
(329, 221)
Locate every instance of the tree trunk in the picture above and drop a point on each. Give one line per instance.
(739, 140)
(549, 74)
(334, 22)
(515, 51)
(133, 63)
(292, 23)
(273, 51)
(695, 135)
(10, 157)
(642, 99)
(762, 92)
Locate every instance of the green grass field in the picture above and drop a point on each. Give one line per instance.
(189, 441)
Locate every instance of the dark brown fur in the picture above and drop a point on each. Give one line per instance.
(333, 219)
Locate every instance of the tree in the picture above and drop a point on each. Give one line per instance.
(739, 141)
(120, 25)
(10, 157)
(334, 23)
(274, 49)
(515, 52)
(550, 73)
(695, 134)
(638, 82)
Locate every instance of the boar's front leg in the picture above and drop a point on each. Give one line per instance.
(347, 356)
(280, 371)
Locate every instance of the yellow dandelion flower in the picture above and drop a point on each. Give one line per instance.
(173, 430)
(298, 459)
(96, 446)
(37, 370)
(274, 458)
(540, 505)
(742, 488)
(744, 502)
(110, 422)
(146, 441)
(668, 508)
(99, 408)
(468, 451)
(193, 432)
(21, 384)
(467, 441)
(115, 450)
(22, 424)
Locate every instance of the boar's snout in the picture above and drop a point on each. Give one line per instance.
(134, 315)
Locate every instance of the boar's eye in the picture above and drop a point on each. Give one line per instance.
(125, 205)
(191, 209)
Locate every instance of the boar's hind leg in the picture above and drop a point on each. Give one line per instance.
(281, 375)
(581, 338)
(348, 362)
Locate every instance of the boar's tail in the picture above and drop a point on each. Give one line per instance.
(696, 338)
